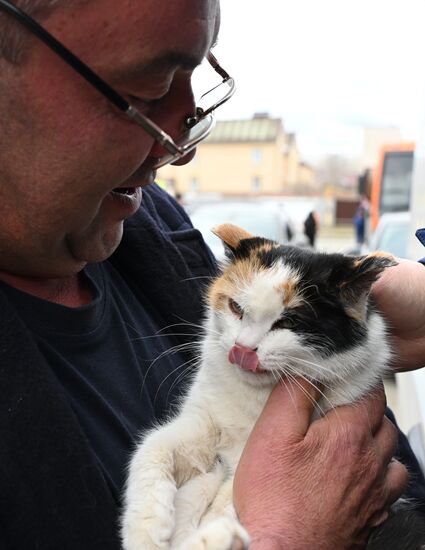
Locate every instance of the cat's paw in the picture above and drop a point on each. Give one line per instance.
(223, 533)
(152, 537)
(149, 524)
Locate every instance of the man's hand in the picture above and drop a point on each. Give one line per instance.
(400, 296)
(321, 484)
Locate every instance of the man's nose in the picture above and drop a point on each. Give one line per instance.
(184, 160)
(179, 105)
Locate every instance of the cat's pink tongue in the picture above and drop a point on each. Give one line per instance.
(246, 358)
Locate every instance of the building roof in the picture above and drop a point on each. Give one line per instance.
(260, 128)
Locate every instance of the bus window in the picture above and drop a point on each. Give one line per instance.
(392, 181)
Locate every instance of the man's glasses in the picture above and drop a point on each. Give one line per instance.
(197, 126)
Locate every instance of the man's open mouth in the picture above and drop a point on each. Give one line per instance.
(125, 190)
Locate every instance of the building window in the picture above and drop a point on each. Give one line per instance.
(194, 185)
(256, 184)
(257, 156)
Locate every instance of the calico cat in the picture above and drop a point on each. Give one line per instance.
(275, 311)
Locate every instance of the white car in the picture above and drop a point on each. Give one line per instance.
(260, 219)
(392, 234)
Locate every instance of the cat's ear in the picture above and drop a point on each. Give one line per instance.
(365, 270)
(231, 235)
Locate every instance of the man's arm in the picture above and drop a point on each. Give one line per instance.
(321, 484)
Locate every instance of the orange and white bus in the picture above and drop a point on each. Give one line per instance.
(392, 181)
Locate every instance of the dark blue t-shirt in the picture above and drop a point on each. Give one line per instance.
(114, 360)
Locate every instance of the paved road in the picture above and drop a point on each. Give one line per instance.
(335, 239)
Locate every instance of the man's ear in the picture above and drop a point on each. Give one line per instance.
(231, 235)
(356, 284)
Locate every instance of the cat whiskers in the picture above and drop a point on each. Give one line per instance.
(184, 323)
(185, 346)
(209, 277)
(287, 371)
(190, 364)
(323, 343)
(314, 386)
(309, 304)
(277, 360)
(196, 325)
(162, 335)
(321, 368)
(279, 378)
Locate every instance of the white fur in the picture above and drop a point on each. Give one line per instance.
(179, 493)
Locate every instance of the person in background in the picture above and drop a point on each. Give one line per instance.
(310, 228)
(96, 260)
(179, 198)
(360, 220)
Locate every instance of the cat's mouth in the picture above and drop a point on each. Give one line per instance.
(246, 359)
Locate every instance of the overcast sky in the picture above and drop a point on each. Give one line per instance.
(327, 67)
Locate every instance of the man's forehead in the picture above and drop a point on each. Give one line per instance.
(142, 35)
(185, 30)
(164, 61)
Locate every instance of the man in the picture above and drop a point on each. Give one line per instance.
(80, 302)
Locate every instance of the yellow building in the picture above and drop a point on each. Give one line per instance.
(243, 157)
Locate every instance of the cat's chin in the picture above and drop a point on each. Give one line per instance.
(260, 377)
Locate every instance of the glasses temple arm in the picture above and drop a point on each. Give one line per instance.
(154, 131)
(217, 67)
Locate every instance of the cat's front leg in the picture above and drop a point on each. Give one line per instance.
(148, 519)
(192, 501)
(220, 528)
(168, 457)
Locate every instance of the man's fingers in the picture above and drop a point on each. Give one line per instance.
(395, 481)
(292, 402)
(374, 405)
(378, 518)
(371, 407)
(386, 440)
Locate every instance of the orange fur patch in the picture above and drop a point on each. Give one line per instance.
(377, 254)
(289, 291)
(231, 234)
(358, 311)
(380, 254)
(264, 248)
(237, 273)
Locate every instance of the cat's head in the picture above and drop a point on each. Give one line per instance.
(279, 309)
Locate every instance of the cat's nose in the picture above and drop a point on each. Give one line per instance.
(246, 358)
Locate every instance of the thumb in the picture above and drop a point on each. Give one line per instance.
(291, 402)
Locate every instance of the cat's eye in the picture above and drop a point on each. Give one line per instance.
(284, 322)
(235, 308)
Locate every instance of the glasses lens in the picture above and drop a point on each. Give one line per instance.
(204, 78)
(219, 91)
(189, 140)
(217, 96)
(209, 88)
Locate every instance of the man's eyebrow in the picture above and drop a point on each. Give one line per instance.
(167, 61)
